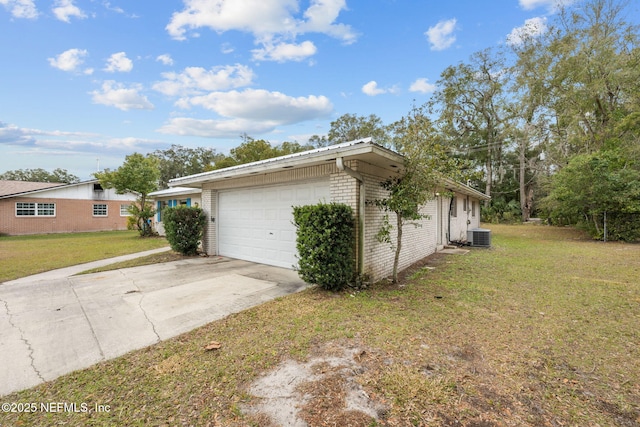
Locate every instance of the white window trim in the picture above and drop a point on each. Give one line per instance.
(126, 211)
(106, 211)
(36, 210)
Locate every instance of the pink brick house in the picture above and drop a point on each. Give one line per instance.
(250, 206)
(40, 208)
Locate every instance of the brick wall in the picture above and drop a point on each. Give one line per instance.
(71, 216)
(209, 205)
(418, 240)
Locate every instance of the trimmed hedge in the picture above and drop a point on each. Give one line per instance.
(325, 242)
(184, 227)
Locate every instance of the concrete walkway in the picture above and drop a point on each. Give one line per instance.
(63, 273)
(52, 324)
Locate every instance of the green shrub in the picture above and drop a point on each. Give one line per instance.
(325, 243)
(184, 227)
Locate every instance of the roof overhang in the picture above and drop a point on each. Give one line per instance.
(363, 149)
(175, 191)
(464, 189)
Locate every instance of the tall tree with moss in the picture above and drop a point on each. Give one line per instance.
(138, 174)
(471, 106)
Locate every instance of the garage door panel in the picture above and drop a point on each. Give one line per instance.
(256, 224)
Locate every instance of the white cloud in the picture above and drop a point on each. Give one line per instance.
(321, 16)
(262, 105)
(532, 28)
(226, 48)
(13, 135)
(116, 9)
(372, 89)
(69, 60)
(272, 22)
(118, 62)
(441, 35)
(422, 85)
(285, 52)
(215, 128)
(65, 9)
(165, 58)
(195, 80)
(551, 5)
(21, 8)
(115, 94)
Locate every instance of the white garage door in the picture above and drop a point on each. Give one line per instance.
(256, 224)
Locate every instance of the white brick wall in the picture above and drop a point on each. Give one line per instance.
(418, 240)
(209, 205)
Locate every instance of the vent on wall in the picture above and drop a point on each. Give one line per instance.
(480, 237)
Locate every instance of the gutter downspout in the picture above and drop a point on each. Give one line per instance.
(361, 207)
(449, 232)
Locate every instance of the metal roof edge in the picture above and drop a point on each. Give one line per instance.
(465, 189)
(174, 191)
(359, 146)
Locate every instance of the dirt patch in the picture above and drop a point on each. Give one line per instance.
(324, 391)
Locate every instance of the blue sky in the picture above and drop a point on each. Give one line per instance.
(83, 83)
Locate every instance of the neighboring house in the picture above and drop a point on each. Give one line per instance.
(250, 206)
(40, 207)
(171, 197)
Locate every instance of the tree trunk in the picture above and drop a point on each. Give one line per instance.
(489, 179)
(525, 207)
(396, 259)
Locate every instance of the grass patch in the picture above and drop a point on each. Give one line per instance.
(168, 256)
(22, 256)
(541, 329)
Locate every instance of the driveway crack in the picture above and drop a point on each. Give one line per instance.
(32, 360)
(144, 312)
(93, 332)
(147, 317)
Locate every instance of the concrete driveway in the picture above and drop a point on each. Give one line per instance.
(52, 325)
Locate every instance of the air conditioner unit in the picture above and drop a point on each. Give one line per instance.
(479, 237)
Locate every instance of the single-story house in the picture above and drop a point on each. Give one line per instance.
(171, 197)
(249, 206)
(42, 207)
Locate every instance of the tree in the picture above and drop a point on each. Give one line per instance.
(579, 97)
(178, 161)
(593, 75)
(472, 110)
(40, 175)
(138, 174)
(598, 190)
(253, 150)
(427, 160)
(350, 127)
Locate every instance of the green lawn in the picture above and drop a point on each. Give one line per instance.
(25, 255)
(540, 330)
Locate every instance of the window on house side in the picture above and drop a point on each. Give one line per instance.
(35, 209)
(100, 210)
(124, 210)
(454, 207)
(473, 209)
